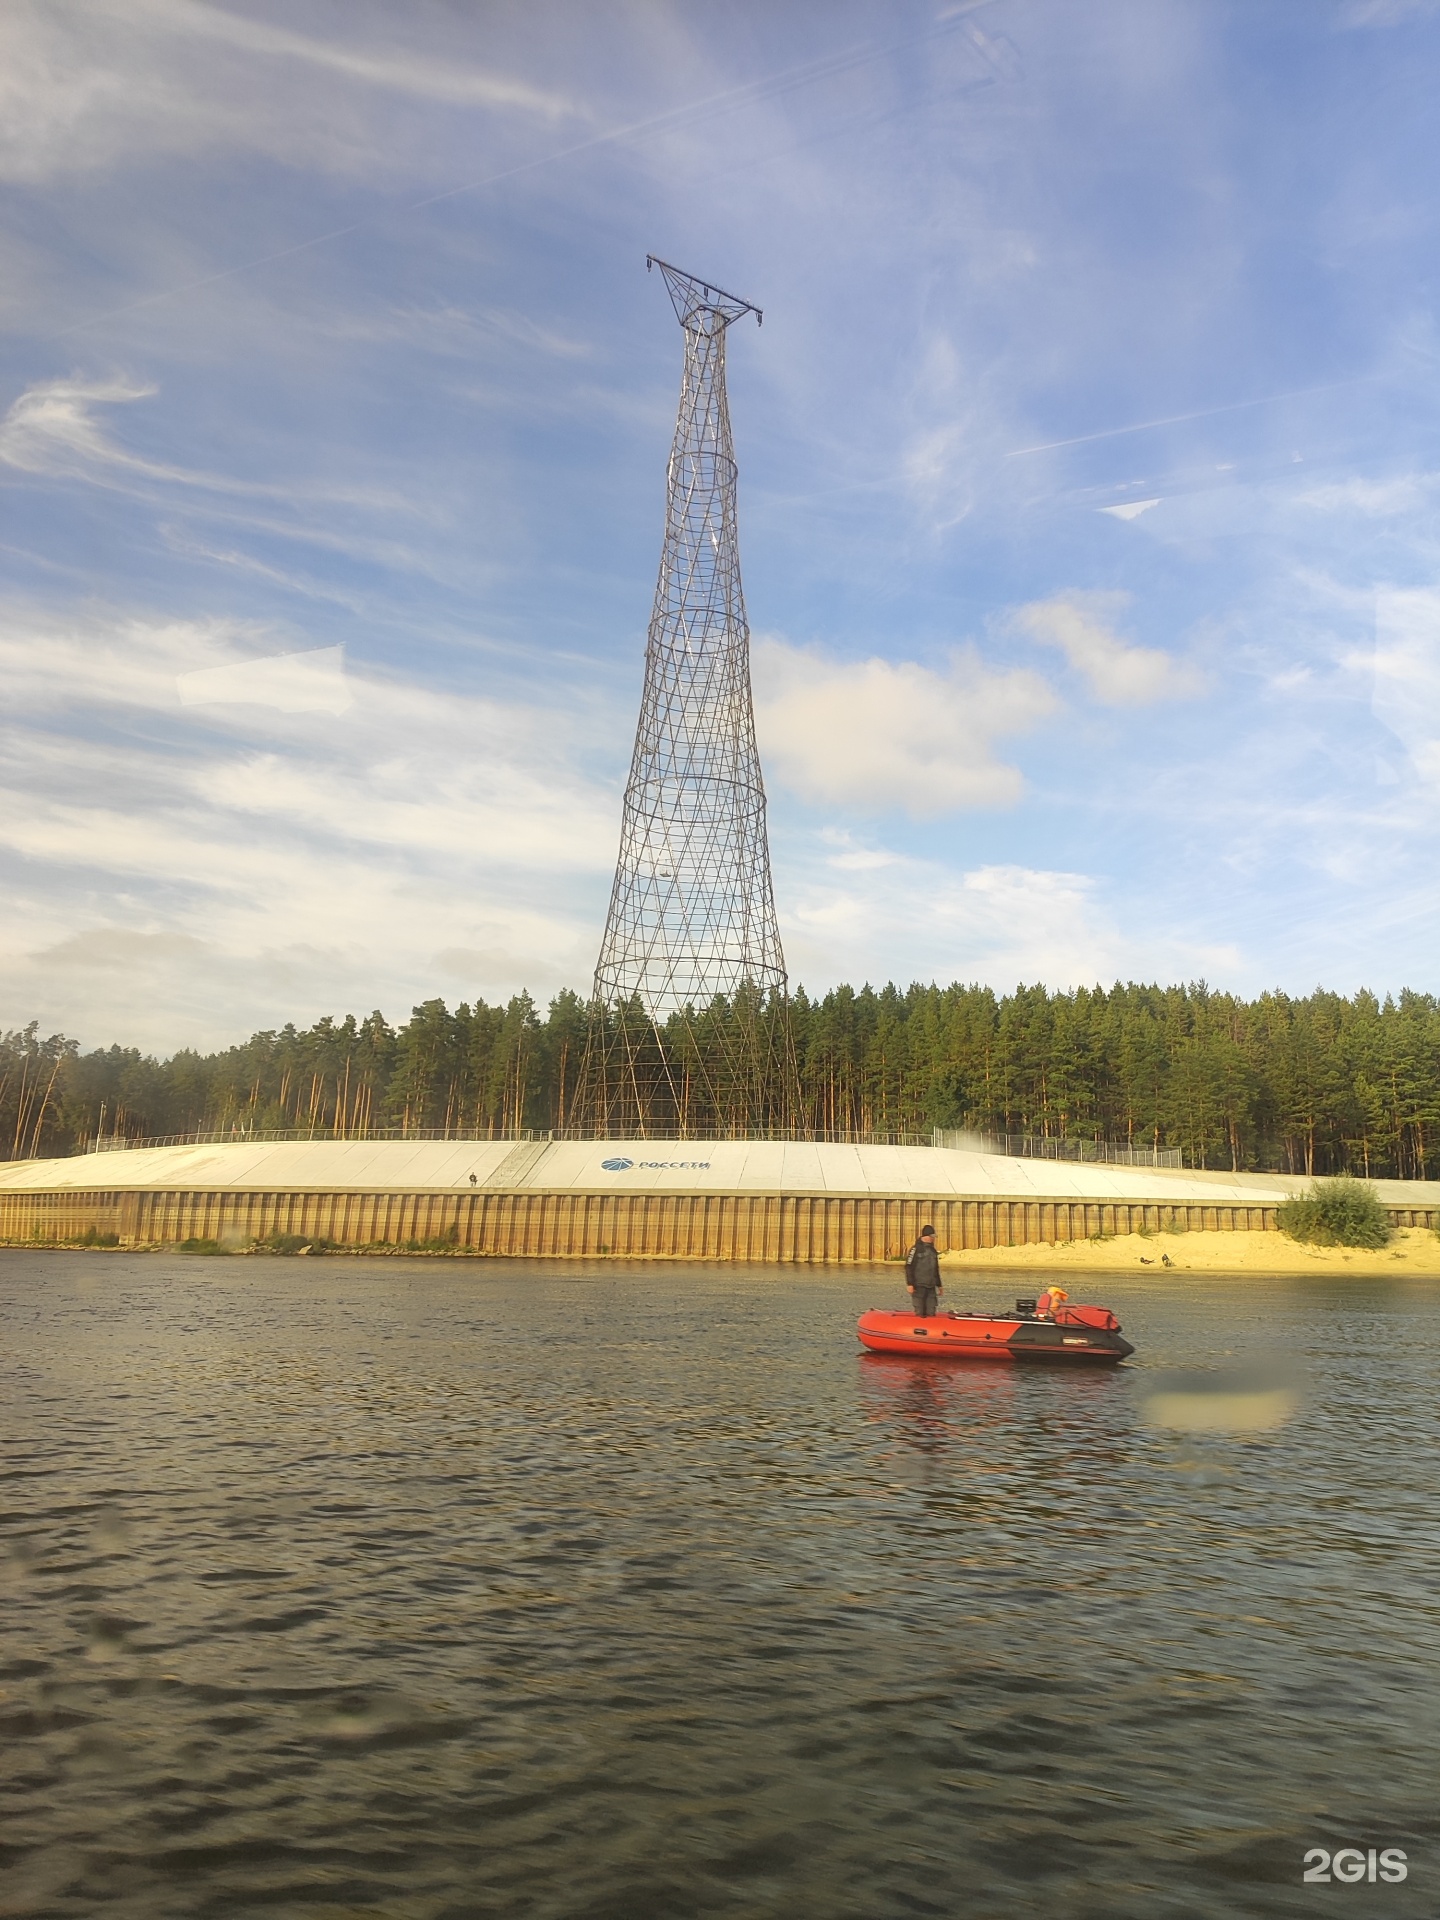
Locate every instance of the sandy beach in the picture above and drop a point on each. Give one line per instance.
(1413, 1252)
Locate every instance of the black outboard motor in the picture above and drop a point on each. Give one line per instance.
(1026, 1309)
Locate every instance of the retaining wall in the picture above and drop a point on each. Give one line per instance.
(752, 1227)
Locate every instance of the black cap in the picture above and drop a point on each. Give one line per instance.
(925, 1230)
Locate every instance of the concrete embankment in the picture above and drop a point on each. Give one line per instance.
(788, 1201)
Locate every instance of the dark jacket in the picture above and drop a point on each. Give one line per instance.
(922, 1265)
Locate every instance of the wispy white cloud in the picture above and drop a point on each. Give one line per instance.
(85, 84)
(308, 682)
(55, 428)
(949, 454)
(179, 541)
(1406, 666)
(1376, 498)
(880, 735)
(877, 913)
(1119, 673)
(408, 766)
(336, 854)
(392, 68)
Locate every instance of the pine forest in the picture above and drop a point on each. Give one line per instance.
(1319, 1085)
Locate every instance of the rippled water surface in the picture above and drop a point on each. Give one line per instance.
(442, 1588)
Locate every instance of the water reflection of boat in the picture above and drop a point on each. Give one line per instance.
(1065, 1335)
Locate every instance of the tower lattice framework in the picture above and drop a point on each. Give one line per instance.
(689, 1027)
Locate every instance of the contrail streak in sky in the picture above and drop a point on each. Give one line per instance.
(673, 116)
(1176, 419)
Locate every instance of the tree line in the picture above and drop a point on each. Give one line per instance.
(1319, 1084)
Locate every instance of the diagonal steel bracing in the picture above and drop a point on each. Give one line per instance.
(691, 938)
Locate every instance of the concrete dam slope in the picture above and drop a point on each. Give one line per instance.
(768, 1200)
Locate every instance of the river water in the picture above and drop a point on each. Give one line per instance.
(438, 1588)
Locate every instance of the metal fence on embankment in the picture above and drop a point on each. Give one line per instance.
(1029, 1146)
(280, 1136)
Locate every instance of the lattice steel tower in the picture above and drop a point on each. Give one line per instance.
(689, 1026)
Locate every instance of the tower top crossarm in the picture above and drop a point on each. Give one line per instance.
(691, 295)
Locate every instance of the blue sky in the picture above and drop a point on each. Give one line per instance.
(1088, 488)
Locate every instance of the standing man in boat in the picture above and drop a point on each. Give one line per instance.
(922, 1274)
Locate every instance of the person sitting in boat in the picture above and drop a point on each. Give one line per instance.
(1049, 1300)
(922, 1274)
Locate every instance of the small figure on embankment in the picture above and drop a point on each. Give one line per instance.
(922, 1274)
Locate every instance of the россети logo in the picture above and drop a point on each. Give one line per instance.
(654, 1166)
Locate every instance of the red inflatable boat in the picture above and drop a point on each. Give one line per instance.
(1065, 1335)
